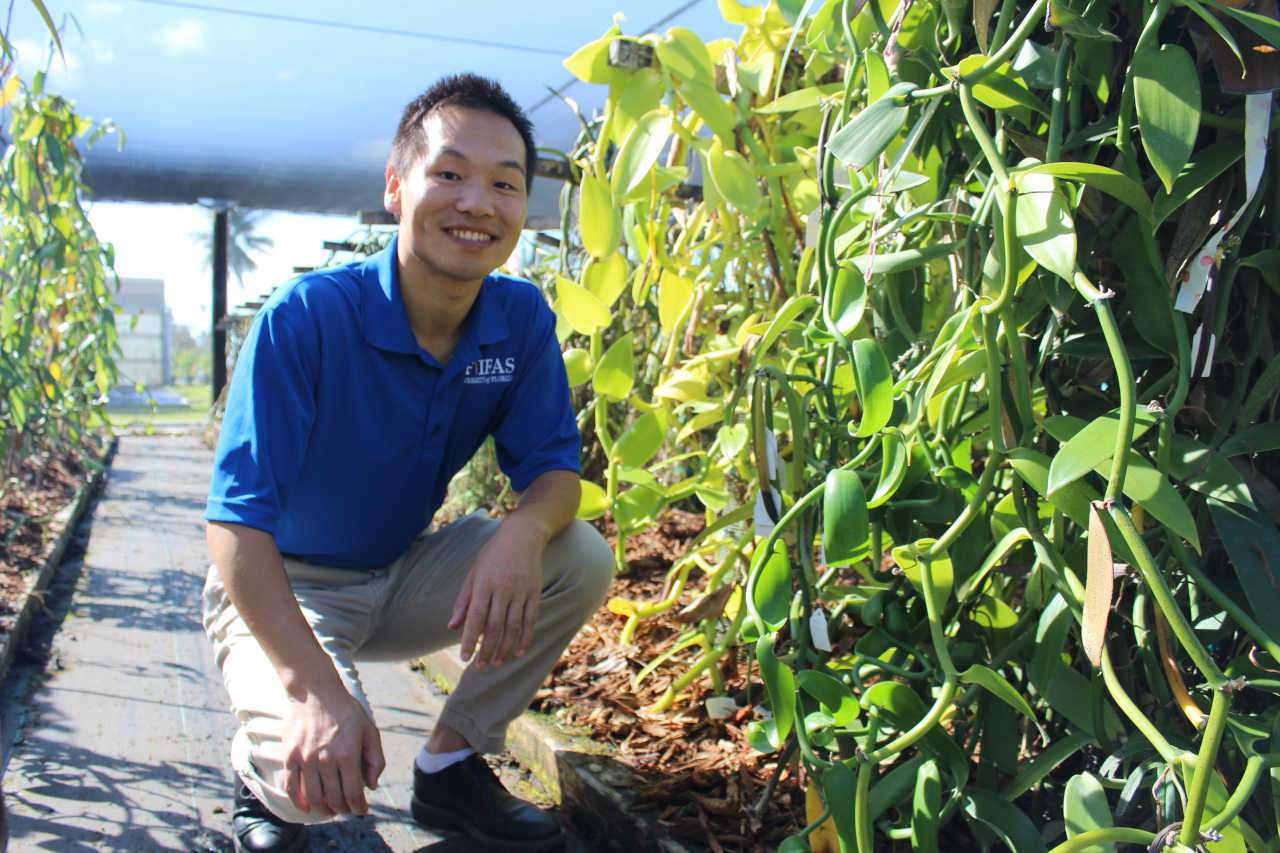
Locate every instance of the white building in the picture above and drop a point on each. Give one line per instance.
(145, 327)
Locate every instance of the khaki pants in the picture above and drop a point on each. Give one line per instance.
(399, 613)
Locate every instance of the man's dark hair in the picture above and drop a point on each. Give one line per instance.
(459, 90)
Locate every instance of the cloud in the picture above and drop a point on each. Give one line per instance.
(373, 151)
(104, 9)
(287, 75)
(33, 56)
(185, 36)
(100, 53)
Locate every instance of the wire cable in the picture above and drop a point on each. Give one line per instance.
(344, 25)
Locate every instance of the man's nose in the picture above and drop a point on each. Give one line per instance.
(475, 199)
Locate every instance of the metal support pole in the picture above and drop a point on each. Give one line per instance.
(219, 329)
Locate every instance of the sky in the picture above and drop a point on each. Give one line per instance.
(162, 241)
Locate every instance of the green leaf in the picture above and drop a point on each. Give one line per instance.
(787, 314)
(1062, 18)
(848, 299)
(636, 507)
(1166, 90)
(639, 152)
(772, 593)
(908, 557)
(1207, 472)
(832, 694)
(732, 440)
(864, 136)
(615, 373)
(893, 467)
(599, 221)
(686, 56)
(1043, 224)
(781, 686)
(1209, 163)
(904, 261)
(1086, 808)
(1002, 89)
(674, 293)
(1007, 543)
(1267, 262)
(1253, 546)
(998, 686)
(1259, 438)
(839, 792)
(581, 308)
(640, 441)
(1115, 184)
(926, 808)
(1266, 28)
(577, 366)
(801, 99)
(1142, 482)
(845, 524)
(593, 503)
(1084, 449)
(590, 63)
(720, 116)
(607, 277)
(1008, 822)
(875, 386)
(731, 173)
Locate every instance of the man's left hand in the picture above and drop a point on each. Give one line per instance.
(499, 601)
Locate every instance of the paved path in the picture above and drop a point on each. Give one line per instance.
(118, 739)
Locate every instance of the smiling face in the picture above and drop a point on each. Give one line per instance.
(462, 203)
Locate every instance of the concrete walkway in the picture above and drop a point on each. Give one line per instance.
(119, 738)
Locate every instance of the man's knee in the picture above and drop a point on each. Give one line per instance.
(587, 561)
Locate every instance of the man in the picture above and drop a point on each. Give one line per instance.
(358, 394)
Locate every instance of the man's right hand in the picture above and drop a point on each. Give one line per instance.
(332, 750)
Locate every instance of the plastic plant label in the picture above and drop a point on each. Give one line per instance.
(1257, 123)
(721, 707)
(818, 630)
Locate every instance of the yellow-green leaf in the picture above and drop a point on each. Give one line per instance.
(733, 177)
(674, 293)
(615, 374)
(593, 503)
(686, 56)
(1044, 224)
(582, 308)
(577, 365)
(598, 219)
(590, 63)
(639, 152)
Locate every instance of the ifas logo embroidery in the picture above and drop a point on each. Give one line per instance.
(487, 371)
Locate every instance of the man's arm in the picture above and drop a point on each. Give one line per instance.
(332, 748)
(500, 597)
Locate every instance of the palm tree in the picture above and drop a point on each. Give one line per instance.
(243, 241)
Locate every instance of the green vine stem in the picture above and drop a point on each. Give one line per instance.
(1204, 767)
(1096, 837)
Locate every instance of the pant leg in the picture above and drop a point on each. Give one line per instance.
(577, 567)
(338, 605)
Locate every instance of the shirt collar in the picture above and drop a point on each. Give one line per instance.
(386, 322)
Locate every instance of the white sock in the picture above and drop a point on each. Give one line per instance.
(434, 762)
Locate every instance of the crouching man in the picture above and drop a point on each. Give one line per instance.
(358, 394)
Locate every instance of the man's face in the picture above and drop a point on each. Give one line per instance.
(463, 202)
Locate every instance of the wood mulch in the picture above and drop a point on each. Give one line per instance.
(701, 776)
(41, 484)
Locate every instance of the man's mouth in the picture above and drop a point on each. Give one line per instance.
(470, 236)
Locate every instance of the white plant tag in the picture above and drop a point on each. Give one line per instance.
(1257, 123)
(812, 226)
(764, 523)
(818, 630)
(721, 707)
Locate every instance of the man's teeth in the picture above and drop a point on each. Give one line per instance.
(475, 236)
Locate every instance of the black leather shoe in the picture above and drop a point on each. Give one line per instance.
(257, 830)
(467, 797)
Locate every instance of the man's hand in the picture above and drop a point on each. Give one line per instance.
(332, 750)
(499, 600)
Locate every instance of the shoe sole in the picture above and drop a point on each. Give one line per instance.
(430, 817)
(299, 843)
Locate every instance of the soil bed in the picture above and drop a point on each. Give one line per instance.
(702, 777)
(41, 484)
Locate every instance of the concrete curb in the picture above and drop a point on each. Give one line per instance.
(597, 790)
(69, 517)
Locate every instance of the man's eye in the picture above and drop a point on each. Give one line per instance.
(447, 175)
(503, 185)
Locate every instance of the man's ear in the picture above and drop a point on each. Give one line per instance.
(391, 195)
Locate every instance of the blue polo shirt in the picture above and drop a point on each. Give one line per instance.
(341, 433)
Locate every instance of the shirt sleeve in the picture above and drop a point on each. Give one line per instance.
(269, 413)
(536, 430)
